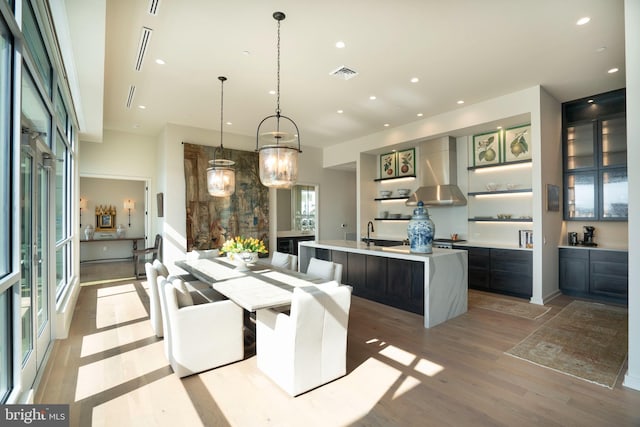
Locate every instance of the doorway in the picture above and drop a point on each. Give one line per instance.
(36, 194)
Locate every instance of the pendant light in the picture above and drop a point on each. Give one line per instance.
(278, 160)
(221, 177)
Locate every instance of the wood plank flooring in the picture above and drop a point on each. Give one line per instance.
(112, 371)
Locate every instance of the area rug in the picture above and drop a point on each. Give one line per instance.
(507, 306)
(585, 340)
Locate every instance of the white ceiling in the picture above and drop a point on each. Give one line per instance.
(459, 49)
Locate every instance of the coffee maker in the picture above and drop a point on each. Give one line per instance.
(589, 230)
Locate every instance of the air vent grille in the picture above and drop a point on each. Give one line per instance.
(142, 47)
(153, 7)
(132, 93)
(344, 73)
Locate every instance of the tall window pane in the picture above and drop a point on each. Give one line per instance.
(5, 345)
(36, 44)
(61, 177)
(5, 157)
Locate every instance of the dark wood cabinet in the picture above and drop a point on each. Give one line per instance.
(574, 270)
(595, 274)
(504, 271)
(289, 245)
(595, 158)
(395, 282)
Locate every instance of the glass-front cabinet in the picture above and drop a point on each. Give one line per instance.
(595, 158)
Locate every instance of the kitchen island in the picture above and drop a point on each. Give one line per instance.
(433, 285)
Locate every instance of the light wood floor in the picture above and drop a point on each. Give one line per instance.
(112, 372)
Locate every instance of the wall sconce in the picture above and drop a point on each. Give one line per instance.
(128, 205)
(83, 205)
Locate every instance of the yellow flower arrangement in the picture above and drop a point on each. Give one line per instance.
(243, 244)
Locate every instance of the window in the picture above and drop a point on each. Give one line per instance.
(5, 153)
(36, 45)
(5, 345)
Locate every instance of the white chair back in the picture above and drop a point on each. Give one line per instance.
(284, 260)
(326, 270)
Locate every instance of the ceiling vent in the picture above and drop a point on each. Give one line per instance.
(153, 7)
(142, 46)
(344, 73)
(132, 93)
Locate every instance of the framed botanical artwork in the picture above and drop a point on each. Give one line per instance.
(388, 165)
(407, 162)
(517, 143)
(486, 148)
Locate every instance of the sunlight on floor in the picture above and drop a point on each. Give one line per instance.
(114, 338)
(161, 403)
(104, 374)
(118, 304)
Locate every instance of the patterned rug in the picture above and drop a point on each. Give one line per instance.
(508, 306)
(585, 340)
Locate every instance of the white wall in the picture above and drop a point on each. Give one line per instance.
(632, 53)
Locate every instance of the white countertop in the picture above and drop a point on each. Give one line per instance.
(401, 252)
(295, 233)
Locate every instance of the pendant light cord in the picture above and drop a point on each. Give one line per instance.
(278, 84)
(221, 111)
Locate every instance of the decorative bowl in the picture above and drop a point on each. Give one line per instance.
(403, 191)
(385, 193)
(512, 186)
(492, 186)
(394, 215)
(504, 216)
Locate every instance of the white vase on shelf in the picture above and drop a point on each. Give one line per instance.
(89, 232)
(121, 231)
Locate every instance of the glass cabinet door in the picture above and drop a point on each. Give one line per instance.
(614, 142)
(580, 146)
(615, 199)
(580, 196)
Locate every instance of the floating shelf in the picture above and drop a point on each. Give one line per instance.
(495, 165)
(379, 199)
(393, 178)
(483, 193)
(491, 219)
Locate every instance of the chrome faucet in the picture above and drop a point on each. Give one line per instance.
(369, 228)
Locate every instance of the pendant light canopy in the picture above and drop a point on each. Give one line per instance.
(221, 177)
(279, 155)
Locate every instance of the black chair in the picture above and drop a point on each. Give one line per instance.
(155, 252)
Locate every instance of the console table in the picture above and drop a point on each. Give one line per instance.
(133, 240)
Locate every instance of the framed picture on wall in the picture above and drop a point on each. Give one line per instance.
(517, 143)
(486, 148)
(388, 165)
(407, 162)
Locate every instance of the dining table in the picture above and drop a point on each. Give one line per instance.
(252, 286)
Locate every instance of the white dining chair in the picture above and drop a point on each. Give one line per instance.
(308, 347)
(202, 336)
(326, 270)
(284, 260)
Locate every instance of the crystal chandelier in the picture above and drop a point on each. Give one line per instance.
(278, 160)
(221, 177)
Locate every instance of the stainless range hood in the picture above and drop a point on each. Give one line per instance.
(437, 167)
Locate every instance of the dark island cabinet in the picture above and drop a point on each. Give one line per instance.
(595, 274)
(504, 271)
(395, 282)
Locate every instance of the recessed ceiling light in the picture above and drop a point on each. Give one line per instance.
(340, 111)
(229, 123)
(612, 70)
(583, 20)
(414, 80)
(590, 101)
(160, 61)
(142, 107)
(499, 127)
(272, 92)
(246, 52)
(601, 49)
(386, 125)
(340, 44)
(461, 102)
(419, 114)
(372, 97)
